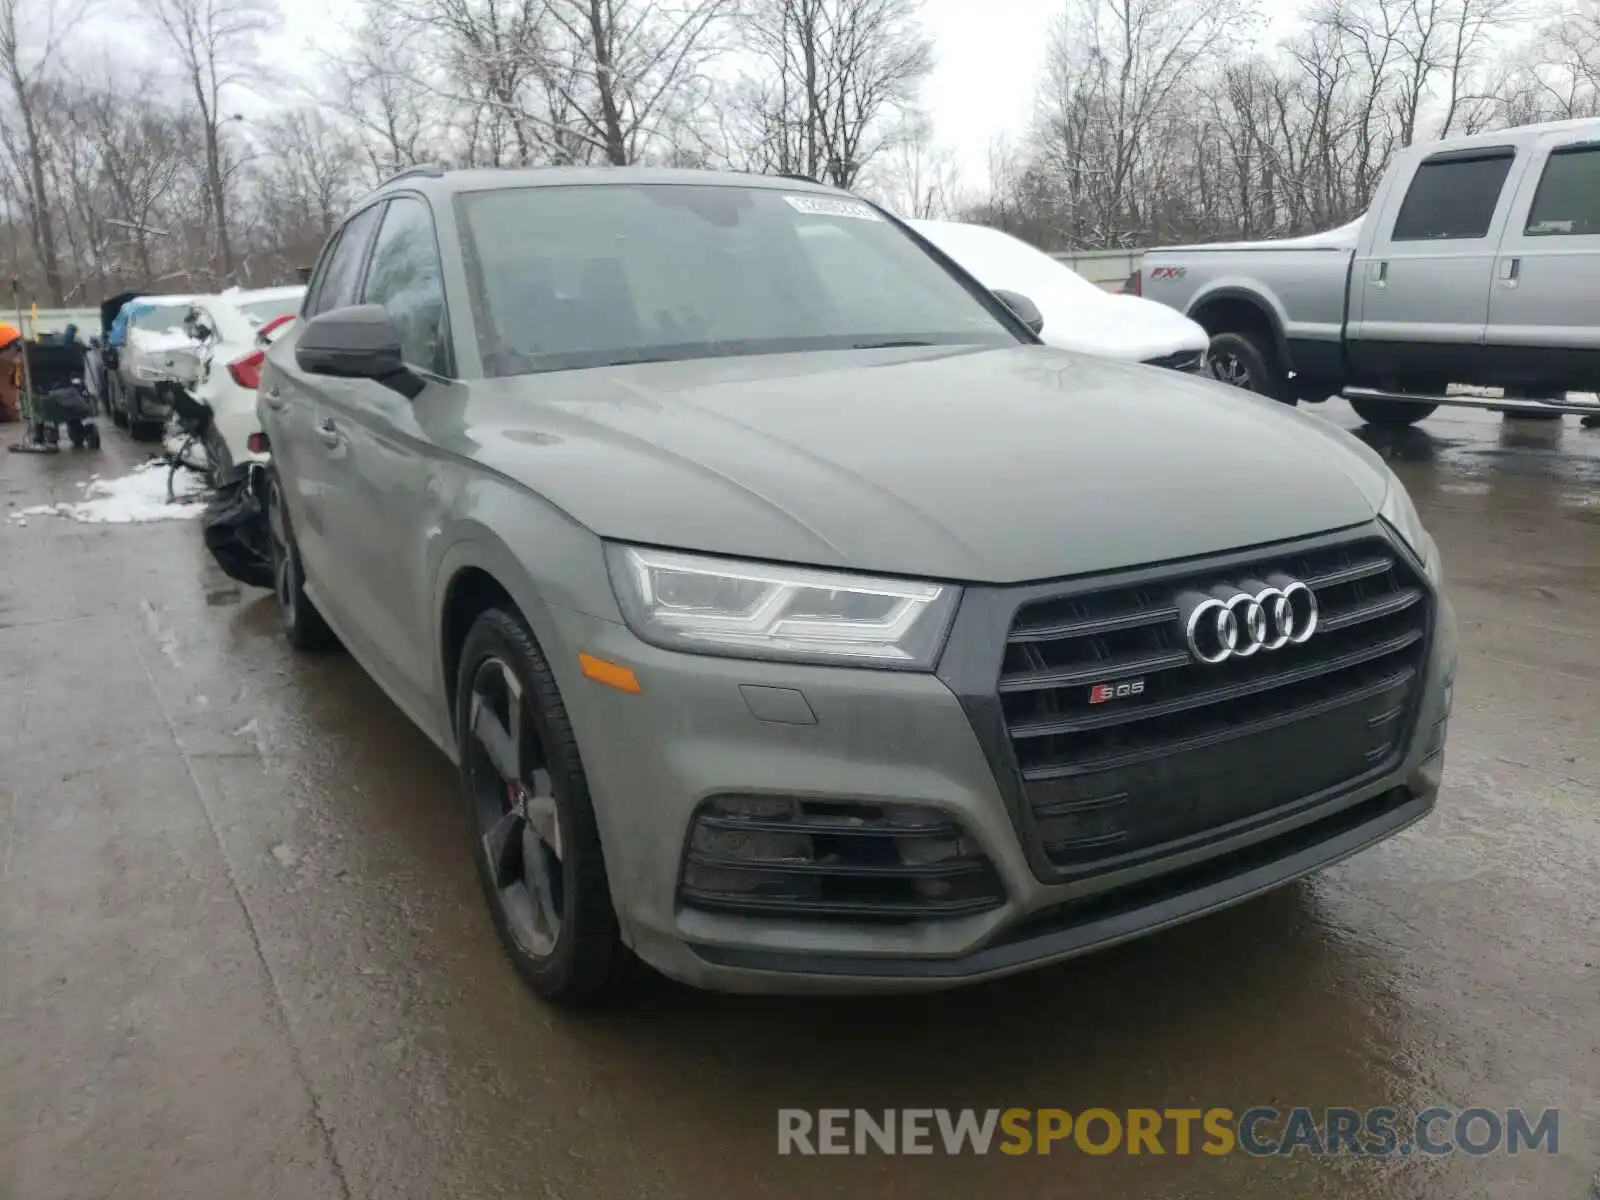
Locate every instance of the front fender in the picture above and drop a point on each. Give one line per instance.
(540, 556)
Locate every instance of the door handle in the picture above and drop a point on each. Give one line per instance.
(1510, 272)
(328, 434)
(274, 398)
(1379, 274)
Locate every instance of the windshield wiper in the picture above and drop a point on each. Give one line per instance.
(889, 344)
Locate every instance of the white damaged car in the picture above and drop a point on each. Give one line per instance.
(1077, 314)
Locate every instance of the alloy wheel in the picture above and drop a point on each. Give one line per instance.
(515, 805)
(283, 572)
(1228, 369)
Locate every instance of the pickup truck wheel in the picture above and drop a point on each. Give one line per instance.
(1244, 360)
(1391, 412)
(536, 841)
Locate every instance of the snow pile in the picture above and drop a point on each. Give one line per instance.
(136, 497)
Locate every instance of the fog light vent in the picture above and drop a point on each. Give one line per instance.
(808, 858)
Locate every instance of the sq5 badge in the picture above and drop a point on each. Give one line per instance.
(1101, 692)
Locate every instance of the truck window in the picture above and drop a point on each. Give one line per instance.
(1453, 196)
(1568, 199)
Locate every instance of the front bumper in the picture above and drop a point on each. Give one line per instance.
(897, 738)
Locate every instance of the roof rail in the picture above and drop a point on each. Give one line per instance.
(431, 170)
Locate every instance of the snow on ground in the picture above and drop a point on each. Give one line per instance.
(138, 496)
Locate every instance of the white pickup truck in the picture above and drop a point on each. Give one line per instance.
(1477, 266)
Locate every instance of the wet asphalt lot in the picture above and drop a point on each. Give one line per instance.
(243, 953)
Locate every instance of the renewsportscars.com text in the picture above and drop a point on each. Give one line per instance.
(1260, 1131)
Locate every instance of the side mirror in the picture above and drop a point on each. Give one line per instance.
(1026, 310)
(355, 342)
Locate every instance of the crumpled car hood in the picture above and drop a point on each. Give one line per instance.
(951, 463)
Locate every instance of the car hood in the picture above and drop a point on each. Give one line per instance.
(951, 463)
(1125, 327)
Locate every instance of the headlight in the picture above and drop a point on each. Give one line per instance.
(757, 610)
(147, 373)
(1401, 515)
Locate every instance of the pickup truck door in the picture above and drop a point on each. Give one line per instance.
(1544, 321)
(1420, 301)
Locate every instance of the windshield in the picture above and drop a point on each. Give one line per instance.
(585, 276)
(161, 318)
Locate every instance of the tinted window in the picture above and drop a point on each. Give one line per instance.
(1568, 199)
(1452, 198)
(404, 277)
(583, 276)
(341, 274)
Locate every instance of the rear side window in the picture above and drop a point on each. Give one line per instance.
(1568, 200)
(341, 274)
(1452, 197)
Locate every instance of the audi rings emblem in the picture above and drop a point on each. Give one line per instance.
(1237, 621)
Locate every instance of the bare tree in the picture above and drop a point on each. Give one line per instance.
(917, 178)
(487, 58)
(370, 83)
(305, 177)
(626, 67)
(1112, 69)
(31, 34)
(140, 153)
(216, 43)
(833, 82)
(1569, 77)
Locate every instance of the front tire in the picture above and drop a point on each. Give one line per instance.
(302, 624)
(536, 841)
(1248, 361)
(1392, 413)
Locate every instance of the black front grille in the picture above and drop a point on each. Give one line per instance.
(1128, 747)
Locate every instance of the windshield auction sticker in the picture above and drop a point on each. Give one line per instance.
(830, 206)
